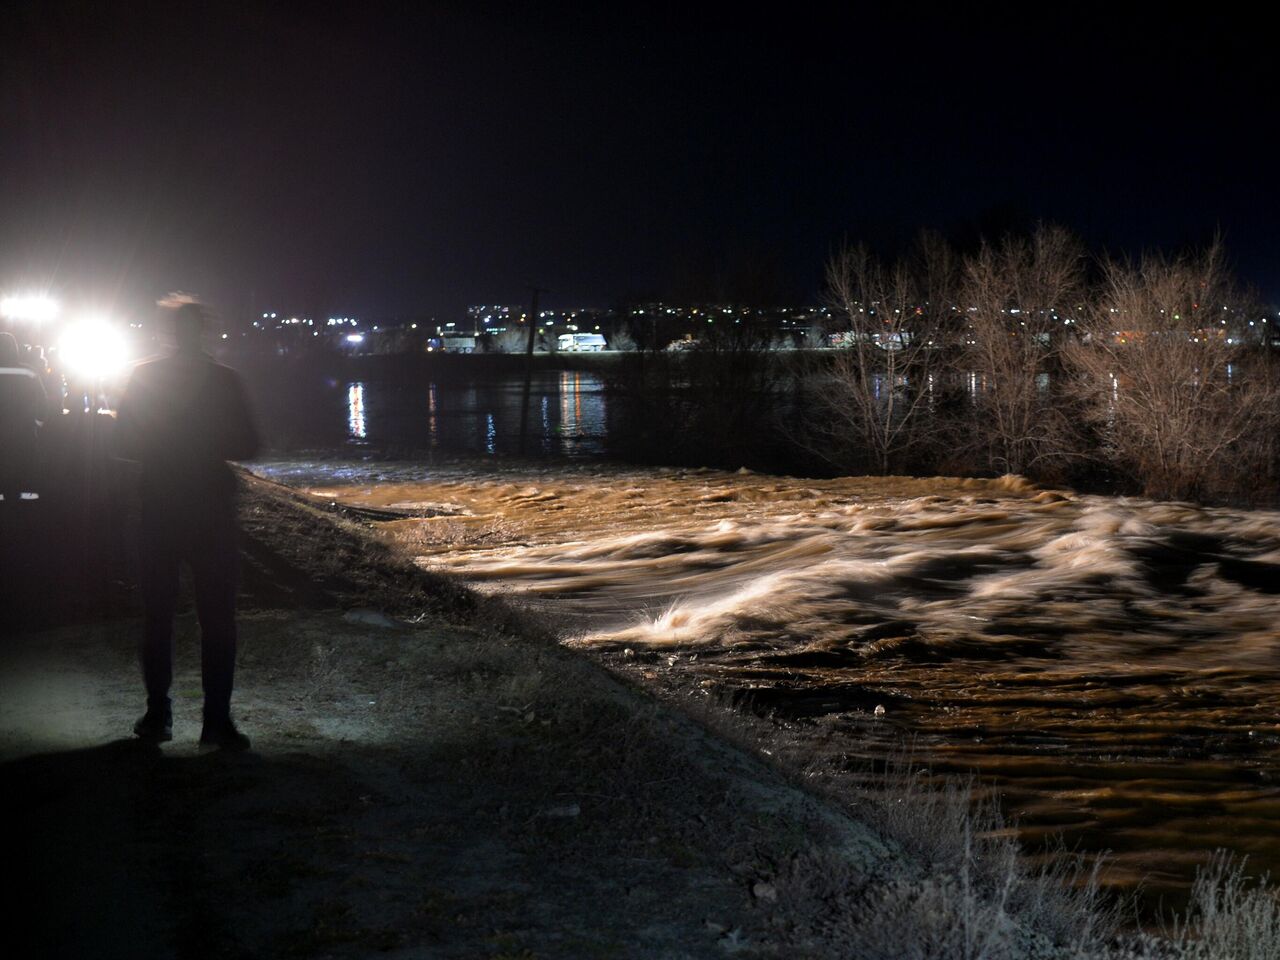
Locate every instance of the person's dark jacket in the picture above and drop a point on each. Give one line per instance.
(182, 417)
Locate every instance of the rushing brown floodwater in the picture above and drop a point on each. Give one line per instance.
(1110, 664)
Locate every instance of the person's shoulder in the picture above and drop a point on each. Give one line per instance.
(222, 373)
(222, 368)
(150, 366)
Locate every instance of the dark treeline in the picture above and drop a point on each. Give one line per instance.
(1025, 355)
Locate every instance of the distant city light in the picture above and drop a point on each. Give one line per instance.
(355, 338)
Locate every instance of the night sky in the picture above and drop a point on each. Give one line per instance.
(406, 160)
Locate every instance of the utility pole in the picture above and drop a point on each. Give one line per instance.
(528, 368)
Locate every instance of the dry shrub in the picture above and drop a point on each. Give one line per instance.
(1164, 370)
(1230, 918)
(980, 899)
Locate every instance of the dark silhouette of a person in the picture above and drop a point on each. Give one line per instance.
(22, 409)
(183, 416)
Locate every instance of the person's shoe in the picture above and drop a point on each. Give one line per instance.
(155, 726)
(222, 735)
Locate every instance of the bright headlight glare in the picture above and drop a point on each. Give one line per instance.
(26, 307)
(93, 348)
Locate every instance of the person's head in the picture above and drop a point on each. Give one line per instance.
(186, 319)
(8, 349)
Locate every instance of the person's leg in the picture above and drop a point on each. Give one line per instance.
(215, 567)
(159, 582)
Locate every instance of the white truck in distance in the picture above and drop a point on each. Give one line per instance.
(580, 343)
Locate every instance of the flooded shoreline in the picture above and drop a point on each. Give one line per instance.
(1107, 665)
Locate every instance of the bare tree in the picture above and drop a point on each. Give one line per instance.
(877, 392)
(510, 340)
(621, 339)
(1165, 372)
(1019, 297)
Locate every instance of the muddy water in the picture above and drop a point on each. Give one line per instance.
(1110, 666)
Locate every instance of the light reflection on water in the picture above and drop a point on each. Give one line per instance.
(433, 426)
(1112, 664)
(355, 411)
(568, 417)
(570, 404)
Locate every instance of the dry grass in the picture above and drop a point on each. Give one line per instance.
(1232, 917)
(979, 900)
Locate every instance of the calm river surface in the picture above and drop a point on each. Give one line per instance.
(481, 415)
(1110, 665)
